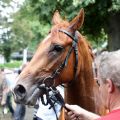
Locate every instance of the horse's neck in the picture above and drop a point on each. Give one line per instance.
(81, 90)
(81, 93)
(84, 92)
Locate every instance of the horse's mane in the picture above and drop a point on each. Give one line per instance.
(87, 84)
(82, 88)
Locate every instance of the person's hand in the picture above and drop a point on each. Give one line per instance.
(75, 108)
(72, 116)
(74, 112)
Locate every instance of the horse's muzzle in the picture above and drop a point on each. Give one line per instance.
(28, 97)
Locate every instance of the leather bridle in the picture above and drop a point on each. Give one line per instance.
(65, 62)
(48, 83)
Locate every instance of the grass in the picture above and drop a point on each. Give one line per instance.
(4, 117)
(12, 64)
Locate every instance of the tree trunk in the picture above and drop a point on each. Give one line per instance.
(7, 53)
(113, 30)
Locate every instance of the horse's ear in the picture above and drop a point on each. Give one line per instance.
(77, 22)
(56, 18)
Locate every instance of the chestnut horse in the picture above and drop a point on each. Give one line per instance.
(64, 56)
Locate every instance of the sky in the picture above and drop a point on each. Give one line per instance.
(13, 7)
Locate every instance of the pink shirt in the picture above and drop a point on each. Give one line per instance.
(113, 115)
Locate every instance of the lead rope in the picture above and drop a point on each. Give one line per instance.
(51, 99)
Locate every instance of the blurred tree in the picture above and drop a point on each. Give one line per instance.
(101, 16)
(21, 32)
(14, 34)
(26, 27)
(5, 30)
(5, 44)
(101, 20)
(104, 14)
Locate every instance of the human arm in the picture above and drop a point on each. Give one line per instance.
(78, 113)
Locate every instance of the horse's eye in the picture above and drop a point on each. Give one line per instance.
(57, 48)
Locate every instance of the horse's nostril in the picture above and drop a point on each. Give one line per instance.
(20, 91)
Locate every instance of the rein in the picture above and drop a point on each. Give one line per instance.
(48, 87)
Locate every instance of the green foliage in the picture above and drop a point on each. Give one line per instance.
(18, 35)
(33, 21)
(22, 34)
(21, 29)
(97, 42)
(115, 5)
(39, 30)
(13, 64)
(45, 8)
(95, 10)
(31, 31)
(6, 1)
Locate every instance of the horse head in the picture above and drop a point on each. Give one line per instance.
(53, 62)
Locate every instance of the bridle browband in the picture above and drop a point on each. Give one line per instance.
(46, 86)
